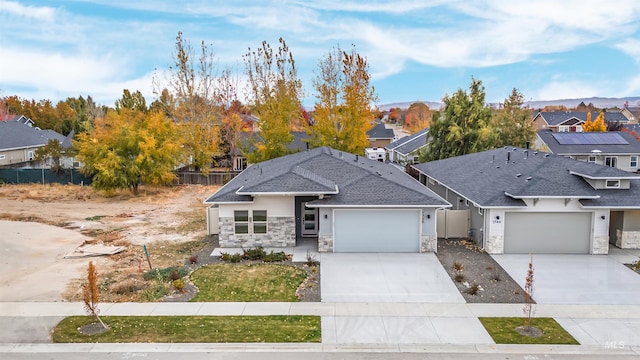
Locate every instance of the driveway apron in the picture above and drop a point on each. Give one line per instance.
(385, 278)
(575, 279)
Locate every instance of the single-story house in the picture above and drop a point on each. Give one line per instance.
(571, 121)
(19, 141)
(380, 136)
(405, 150)
(521, 201)
(616, 149)
(345, 201)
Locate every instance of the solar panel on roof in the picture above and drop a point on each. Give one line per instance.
(589, 139)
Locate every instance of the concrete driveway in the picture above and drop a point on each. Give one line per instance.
(576, 279)
(385, 277)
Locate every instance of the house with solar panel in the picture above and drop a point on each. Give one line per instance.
(571, 121)
(615, 149)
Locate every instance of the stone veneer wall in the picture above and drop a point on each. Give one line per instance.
(626, 239)
(428, 243)
(281, 232)
(325, 243)
(494, 244)
(600, 245)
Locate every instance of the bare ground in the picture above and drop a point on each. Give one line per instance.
(170, 221)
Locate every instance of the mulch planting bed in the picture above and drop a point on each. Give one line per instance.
(471, 269)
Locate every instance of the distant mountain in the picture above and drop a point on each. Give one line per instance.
(599, 102)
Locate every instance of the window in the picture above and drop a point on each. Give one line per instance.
(611, 161)
(612, 184)
(431, 181)
(563, 128)
(591, 159)
(30, 155)
(633, 161)
(241, 221)
(259, 221)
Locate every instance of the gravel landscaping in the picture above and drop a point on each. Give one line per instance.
(478, 277)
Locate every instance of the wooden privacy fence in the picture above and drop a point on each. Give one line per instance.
(196, 177)
(452, 223)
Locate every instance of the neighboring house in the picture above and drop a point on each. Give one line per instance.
(19, 141)
(616, 149)
(405, 150)
(571, 121)
(631, 118)
(379, 136)
(522, 201)
(345, 201)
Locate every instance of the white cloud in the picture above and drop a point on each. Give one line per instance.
(630, 47)
(558, 88)
(41, 13)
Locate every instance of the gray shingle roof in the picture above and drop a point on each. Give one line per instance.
(486, 177)
(320, 171)
(17, 135)
(632, 146)
(380, 132)
(554, 118)
(409, 144)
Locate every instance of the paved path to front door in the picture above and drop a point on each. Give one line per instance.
(575, 279)
(385, 278)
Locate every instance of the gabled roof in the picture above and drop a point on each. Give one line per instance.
(18, 135)
(409, 144)
(555, 118)
(584, 143)
(380, 132)
(342, 179)
(489, 180)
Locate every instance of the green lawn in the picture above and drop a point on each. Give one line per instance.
(502, 330)
(241, 282)
(196, 329)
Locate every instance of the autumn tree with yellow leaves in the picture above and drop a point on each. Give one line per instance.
(344, 108)
(274, 93)
(129, 147)
(594, 126)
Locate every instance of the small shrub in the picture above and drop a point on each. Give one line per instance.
(311, 260)
(166, 274)
(154, 292)
(275, 257)
(459, 278)
(473, 289)
(457, 266)
(126, 287)
(193, 259)
(232, 258)
(254, 253)
(178, 284)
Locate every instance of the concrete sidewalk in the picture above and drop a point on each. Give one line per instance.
(357, 324)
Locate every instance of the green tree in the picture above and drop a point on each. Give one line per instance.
(343, 110)
(274, 93)
(512, 124)
(127, 148)
(55, 151)
(463, 127)
(132, 101)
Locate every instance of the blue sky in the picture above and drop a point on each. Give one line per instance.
(417, 50)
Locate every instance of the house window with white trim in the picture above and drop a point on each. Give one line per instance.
(633, 161)
(563, 128)
(612, 184)
(30, 155)
(611, 161)
(591, 159)
(259, 221)
(241, 221)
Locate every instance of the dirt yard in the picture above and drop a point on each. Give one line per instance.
(40, 224)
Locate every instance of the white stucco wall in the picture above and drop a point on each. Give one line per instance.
(276, 206)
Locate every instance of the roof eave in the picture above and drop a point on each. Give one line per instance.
(521, 197)
(626, 176)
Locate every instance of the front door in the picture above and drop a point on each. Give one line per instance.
(309, 219)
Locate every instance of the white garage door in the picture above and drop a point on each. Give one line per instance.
(547, 233)
(376, 231)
